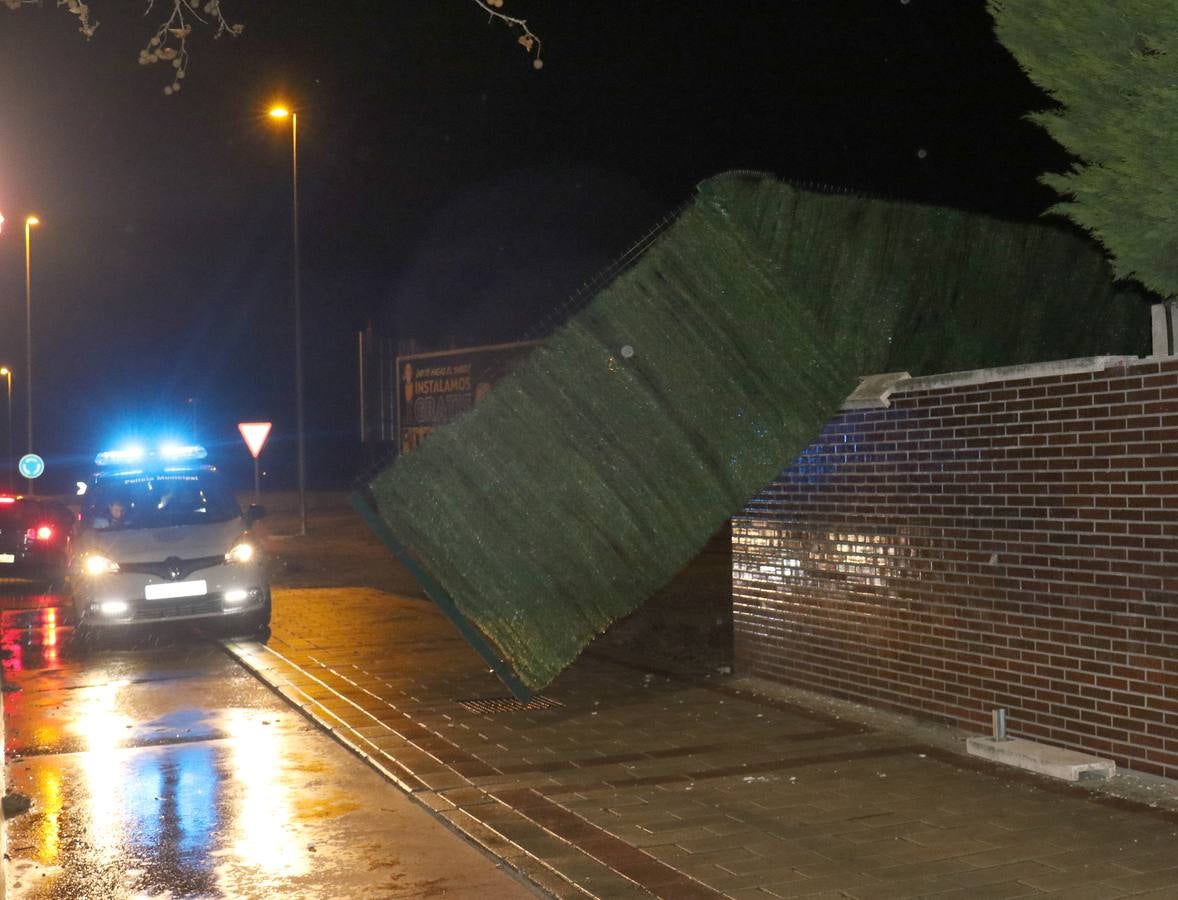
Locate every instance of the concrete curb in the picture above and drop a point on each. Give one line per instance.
(1055, 762)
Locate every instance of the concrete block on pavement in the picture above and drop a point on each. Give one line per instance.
(1045, 759)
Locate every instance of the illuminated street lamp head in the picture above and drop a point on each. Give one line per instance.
(32, 220)
(279, 112)
(4, 370)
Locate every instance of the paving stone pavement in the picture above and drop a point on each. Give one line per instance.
(636, 783)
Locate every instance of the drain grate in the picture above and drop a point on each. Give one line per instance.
(508, 704)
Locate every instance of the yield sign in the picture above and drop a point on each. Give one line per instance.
(255, 434)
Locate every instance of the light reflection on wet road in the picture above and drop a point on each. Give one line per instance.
(158, 766)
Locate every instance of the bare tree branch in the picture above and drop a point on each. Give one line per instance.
(527, 39)
(169, 43)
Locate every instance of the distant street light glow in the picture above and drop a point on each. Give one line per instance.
(279, 112)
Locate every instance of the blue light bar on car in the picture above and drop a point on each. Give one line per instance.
(181, 452)
(135, 454)
(122, 457)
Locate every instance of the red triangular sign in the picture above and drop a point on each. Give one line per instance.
(255, 434)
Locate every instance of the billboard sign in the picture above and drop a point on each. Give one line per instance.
(434, 388)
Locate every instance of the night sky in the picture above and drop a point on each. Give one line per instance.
(448, 191)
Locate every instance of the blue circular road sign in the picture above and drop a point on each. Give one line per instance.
(31, 465)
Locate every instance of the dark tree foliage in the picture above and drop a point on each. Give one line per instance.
(1113, 68)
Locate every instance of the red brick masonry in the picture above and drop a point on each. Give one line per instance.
(1009, 543)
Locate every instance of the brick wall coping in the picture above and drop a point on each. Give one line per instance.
(874, 390)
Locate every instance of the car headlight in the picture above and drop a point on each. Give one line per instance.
(241, 553)
(96, 564)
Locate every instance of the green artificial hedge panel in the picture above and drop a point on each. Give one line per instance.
(589, 476)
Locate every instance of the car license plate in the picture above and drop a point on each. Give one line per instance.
(175, 589)
(7, 558)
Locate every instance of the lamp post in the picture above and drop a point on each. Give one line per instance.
(29, 223)
(281, 112)
(8, 460)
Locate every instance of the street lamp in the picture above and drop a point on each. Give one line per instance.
(29, 223)
(8, 460)
(281, 112)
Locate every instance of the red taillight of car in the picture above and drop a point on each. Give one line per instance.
(41, 533)
(7, 499)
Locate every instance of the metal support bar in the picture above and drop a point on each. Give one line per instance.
(998, 719)
(363, 406)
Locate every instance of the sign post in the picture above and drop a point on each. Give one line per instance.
(254, 434)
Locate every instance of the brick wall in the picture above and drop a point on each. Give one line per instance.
(994, 539)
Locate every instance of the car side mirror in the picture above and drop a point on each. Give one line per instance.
(254, 513)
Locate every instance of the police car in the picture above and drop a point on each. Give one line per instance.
(161, 538)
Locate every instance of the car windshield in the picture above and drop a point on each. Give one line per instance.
(159, 501)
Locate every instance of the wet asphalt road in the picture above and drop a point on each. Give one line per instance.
(157, 766)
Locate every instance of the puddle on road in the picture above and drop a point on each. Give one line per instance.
(131, 798)
(157, 766)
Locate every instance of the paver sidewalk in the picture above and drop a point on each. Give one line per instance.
(630, 783)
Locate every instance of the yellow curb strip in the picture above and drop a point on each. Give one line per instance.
(437, 734)
(351, 703)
